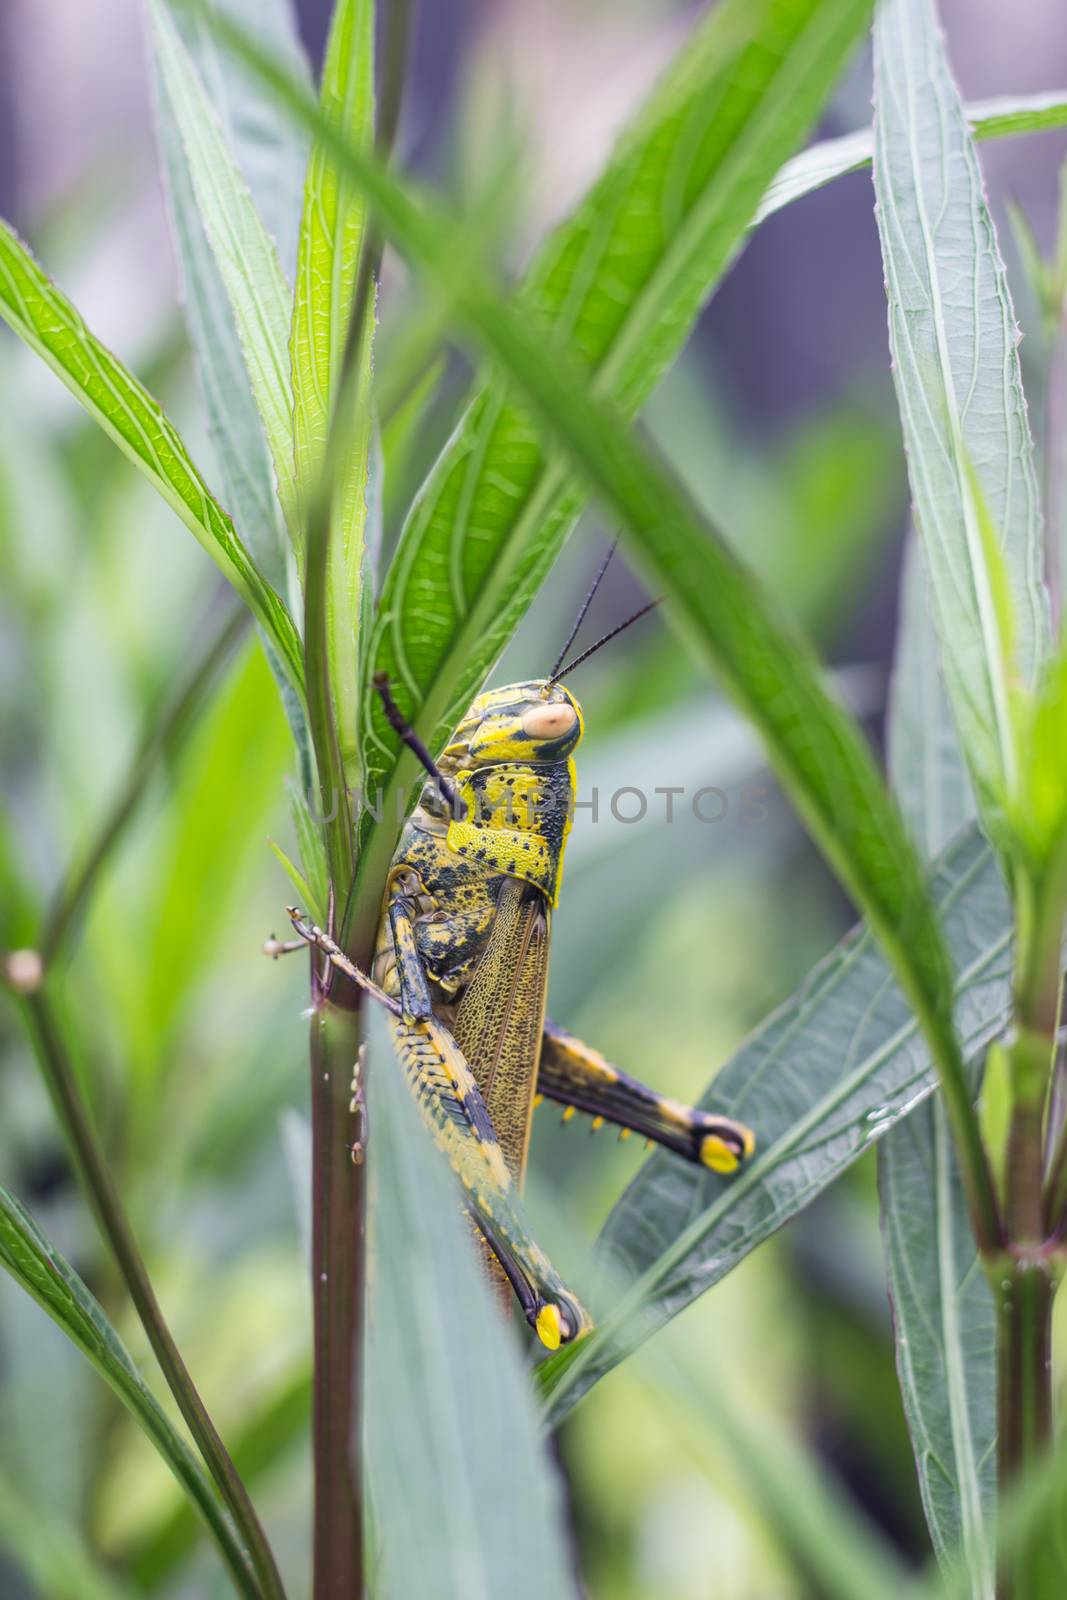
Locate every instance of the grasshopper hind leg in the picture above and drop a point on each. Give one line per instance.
(452, 1105)
(579, 1078)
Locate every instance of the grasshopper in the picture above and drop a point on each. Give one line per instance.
(461, 965)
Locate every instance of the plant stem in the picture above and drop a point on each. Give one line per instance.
(338, 1182)
(338, 1256)
(164, 733)
(1031, 1058)
(1024, 1277)
(1024, 1295)
(338, 1199)
(96, 1179)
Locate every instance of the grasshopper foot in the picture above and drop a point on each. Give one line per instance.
(559, 1322)
(724, 1144)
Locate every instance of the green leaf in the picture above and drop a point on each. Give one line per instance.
(270, 151)
(244, 252)
(821, 163)
(826, 1075)
(271, 155)
(312, 851)
(304, 895)
(454, 1448)
(332, 235)
(47, 1277)
(50, 325)
(944, 1318)
(944, 1323)
(619, 284)
(956, 366)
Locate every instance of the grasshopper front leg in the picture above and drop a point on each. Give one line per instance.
(579, 1077)
(452, 1105)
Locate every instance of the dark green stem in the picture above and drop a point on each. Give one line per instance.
(1031, 1058)
(1024, 1278)
(1024, 1294)
(164, 734)
(93, 1171)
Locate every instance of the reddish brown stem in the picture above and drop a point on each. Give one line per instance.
(338, 1286)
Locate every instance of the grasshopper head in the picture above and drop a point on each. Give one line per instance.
(535, 721)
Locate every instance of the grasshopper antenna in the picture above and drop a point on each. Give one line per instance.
(593, 648)
(404, 731)
(582, 609)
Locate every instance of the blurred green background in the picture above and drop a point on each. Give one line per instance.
(671, 941)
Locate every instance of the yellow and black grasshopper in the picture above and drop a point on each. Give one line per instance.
(462, 966)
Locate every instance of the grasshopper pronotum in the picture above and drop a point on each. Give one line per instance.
(462, 964)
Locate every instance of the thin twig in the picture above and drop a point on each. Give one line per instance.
(95, 1176)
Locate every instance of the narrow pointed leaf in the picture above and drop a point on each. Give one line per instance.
(244, 252)
(827, 1074)
(47, 1277)
(266, 147)
(954, 342)
(245, 471)
(945, 1332)
(943, 1313)
(114, 398)
(465, 1498)
(271, 155)
(332, 235)
(270, 152)
(821, 163)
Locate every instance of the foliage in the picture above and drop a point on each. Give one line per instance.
(169, 1059)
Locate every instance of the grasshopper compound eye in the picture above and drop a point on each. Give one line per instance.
(549, 721)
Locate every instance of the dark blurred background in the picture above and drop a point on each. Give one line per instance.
(670, 944)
